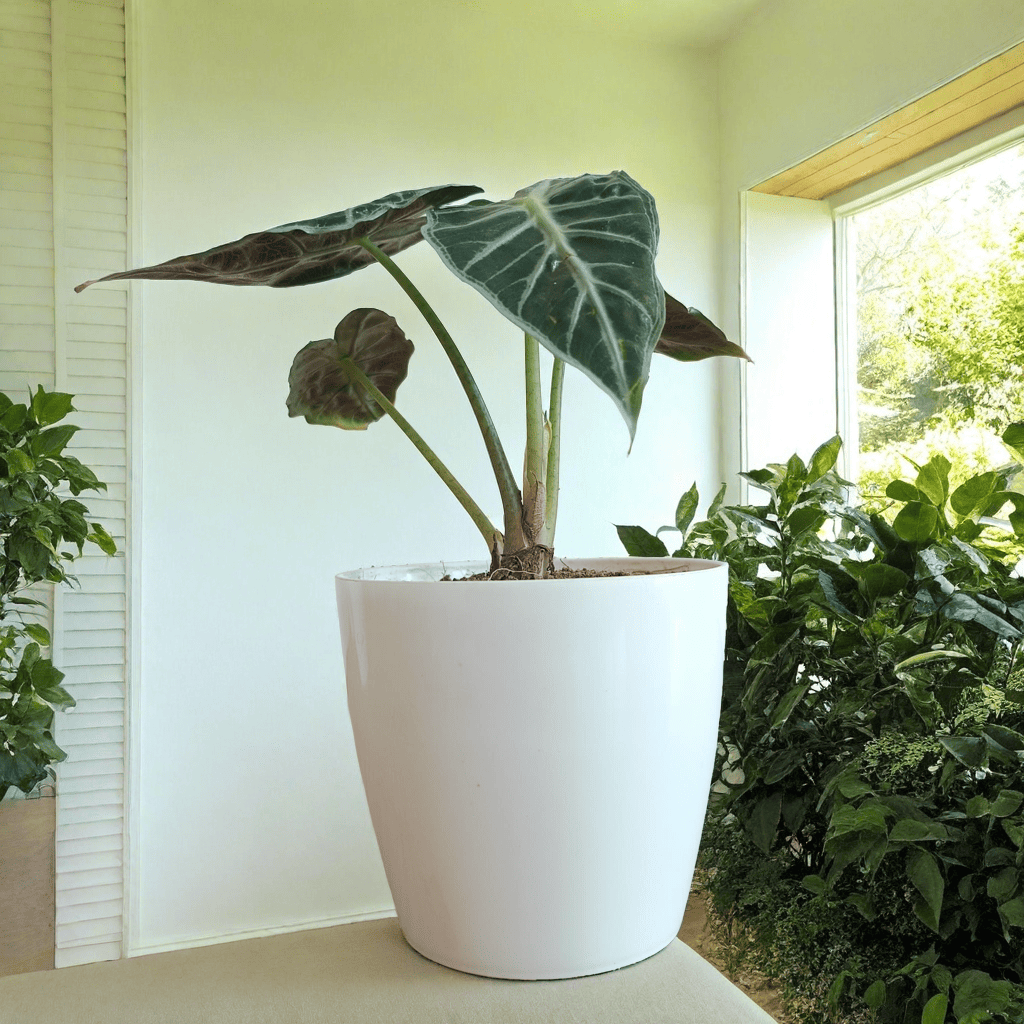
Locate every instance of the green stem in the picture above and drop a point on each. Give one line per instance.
(511, 500)
(483, 524)
(535, 459)
(554, 451)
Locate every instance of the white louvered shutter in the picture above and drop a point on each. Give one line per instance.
(63, 219)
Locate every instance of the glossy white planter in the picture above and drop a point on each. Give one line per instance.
(536, 756)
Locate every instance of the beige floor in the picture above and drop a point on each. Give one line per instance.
(360, 974)
(26, 885)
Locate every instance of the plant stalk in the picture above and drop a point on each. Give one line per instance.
(535, 458)
(547, 535)
(491, 535)
(511, 499)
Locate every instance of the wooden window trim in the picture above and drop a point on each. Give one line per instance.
(979, 95)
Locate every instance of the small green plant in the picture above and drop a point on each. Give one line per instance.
(570, 261)
(37, 526)
(872, 738)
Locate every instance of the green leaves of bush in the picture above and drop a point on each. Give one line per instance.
(40, 530)
(875, 699)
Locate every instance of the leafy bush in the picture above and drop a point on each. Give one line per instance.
(867, 823)
(35, 522)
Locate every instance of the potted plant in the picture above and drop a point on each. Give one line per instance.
(533, 750)
(37, 524)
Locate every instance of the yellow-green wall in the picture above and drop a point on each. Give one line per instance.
(250, 811)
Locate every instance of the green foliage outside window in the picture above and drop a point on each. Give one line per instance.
(867, 825)
(940, 321)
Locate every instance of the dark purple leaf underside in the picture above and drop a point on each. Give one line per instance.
(688, 335)
(310, 251)
(320, 387)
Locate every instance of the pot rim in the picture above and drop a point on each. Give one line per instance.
(432, 572)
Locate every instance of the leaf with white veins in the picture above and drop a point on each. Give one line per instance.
(571, 262)
(308, 251)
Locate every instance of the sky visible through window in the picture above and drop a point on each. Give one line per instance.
(940, 321)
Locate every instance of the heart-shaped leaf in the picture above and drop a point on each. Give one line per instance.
(308, 251)
(571, 262)
(688, 335)
(321, 388)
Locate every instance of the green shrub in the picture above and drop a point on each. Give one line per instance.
(868, 821)
(37, 526)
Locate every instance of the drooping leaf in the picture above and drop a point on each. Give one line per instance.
(308, 251)
(571, 262)
(924, 873)
(764, 821)
(641, 544)
(688, 335)
(321, 388)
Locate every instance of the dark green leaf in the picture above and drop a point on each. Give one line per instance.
(1013, 437)
(571, 262)
(40, 634)
(321, 387)
(814, 883)
(17, 461)
(976, 996)
(916, 522)
(50, 406)
(1006, 803)
(782, 764)
(789, 701)
(923, 872)
(687, 509)
(875, 994)
(903, 491)
(102, 539)
(52, 441)
(879, 580)
(933, 480)
(909, 830)
(935, 1009)
(805, 519)
(968, 750)
(764, 820)
(824, 459)
(688, 335)
(641, 544)
(1012, 912)
(974, 494)
(309, 251)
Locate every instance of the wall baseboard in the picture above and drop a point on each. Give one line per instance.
(259, 933)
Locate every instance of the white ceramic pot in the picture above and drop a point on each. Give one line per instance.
(536, 756)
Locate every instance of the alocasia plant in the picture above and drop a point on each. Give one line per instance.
(568, 260)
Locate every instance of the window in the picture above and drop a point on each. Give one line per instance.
(936, 324)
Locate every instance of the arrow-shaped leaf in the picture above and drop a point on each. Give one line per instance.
(688, 335)
(308, 251)
(320, 385)
(571, 262)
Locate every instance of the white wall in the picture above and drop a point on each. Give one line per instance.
(250, 814)
(802, 74)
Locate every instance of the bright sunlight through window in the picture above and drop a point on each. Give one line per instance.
(940, 321)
